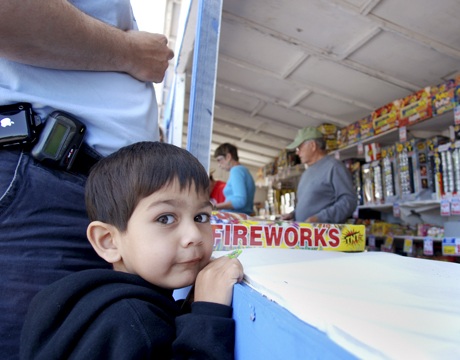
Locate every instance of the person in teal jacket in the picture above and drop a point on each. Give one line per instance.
(240, 189)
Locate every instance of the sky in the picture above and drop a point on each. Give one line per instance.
(149, 14)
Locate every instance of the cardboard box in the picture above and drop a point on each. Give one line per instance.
(368, 184)
(366, 127)
(328, 129)
(378, 182)
(413, 171)
(415, 107)
(382, 228)
(433, 163)
(457, 102)
(386, 117)
(372, 152)
(230, 234)
(390, 174)
(442, 97)
(331, 143)
(353, 133)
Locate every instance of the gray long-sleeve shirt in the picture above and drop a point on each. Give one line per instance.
(326, 190)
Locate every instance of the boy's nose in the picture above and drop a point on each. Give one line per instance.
(191, 235)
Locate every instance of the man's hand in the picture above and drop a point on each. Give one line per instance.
(150, 56)
(312, 219)
(288, 216)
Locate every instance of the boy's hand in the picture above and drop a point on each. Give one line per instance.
(214, 283)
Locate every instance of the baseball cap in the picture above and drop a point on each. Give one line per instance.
(307, 133)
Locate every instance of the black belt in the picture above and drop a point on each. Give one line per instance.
(86, 158)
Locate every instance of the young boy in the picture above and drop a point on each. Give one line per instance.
(149, 209)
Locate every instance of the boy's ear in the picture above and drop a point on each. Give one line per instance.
(102, 237)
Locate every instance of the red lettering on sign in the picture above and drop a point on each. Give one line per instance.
(319, 237)
(240, 235)
(334, 235)
(291, 236)
(227, 234)
(273, 235)
(256, 234)
(305, 236)
(217, 233)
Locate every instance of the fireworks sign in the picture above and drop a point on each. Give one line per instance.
(230, 233)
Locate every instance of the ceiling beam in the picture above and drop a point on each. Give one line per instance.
(313, 50)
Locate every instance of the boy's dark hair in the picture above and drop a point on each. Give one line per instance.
(118, 182)
(225, 149)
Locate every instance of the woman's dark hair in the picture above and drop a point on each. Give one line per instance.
(225, 149)
(118, 182)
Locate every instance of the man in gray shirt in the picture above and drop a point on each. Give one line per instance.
(325, 193)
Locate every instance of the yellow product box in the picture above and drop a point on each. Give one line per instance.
(240, 234)
(443, 97)
(366, 127)
(328, 129)
(382, 228)
(331, 143)
(353, 133)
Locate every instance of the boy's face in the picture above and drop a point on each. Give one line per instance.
(169, 237)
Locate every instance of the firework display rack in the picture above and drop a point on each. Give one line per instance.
(405, 162)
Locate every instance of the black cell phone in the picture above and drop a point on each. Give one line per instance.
(59, 141)
(17, 125)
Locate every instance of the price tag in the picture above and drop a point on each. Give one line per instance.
(455, 206)
(428, 246)
(337, 155)
(445, 207)
(451, 246)
(388, 242)
(360, 149)
(408, 245)
(396, 210)
(402, 134)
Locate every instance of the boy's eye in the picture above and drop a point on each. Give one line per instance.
(166, 219)
(202, 218)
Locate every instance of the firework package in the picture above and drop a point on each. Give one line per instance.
(233, 231)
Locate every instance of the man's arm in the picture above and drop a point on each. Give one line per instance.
(55, 34)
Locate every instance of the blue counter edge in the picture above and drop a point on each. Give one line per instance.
(265, 330)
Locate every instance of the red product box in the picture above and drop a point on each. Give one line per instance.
(442, 97)
(415, 107)
(386, 117)
(372, 152)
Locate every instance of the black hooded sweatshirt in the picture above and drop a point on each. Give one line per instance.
(106, 314)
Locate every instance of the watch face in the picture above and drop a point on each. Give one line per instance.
(14, 127)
